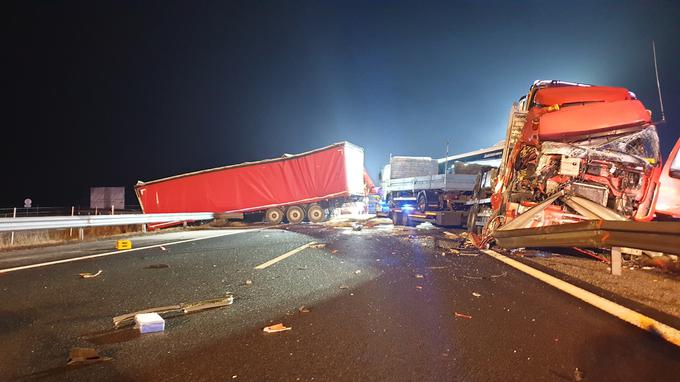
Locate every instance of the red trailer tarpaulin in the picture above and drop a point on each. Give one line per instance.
(334, 171)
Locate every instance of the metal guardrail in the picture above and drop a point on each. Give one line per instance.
(56, 222)
(652, 236)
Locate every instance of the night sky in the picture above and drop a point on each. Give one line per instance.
(107, 93)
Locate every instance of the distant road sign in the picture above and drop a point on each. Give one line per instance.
(27, 203)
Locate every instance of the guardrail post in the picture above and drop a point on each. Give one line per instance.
(616, 261)
(14, 215)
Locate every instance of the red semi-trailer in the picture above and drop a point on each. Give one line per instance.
(295, 186)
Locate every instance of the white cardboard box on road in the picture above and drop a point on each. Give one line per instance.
(149, 322)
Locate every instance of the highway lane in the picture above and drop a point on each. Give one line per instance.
(381, 307)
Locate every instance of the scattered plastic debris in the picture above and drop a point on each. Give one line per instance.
(249, 282)
(149, 323)
(162, 248)
(437, 267)
(334, 251)
(318, 245)
(419, 287)
(88, 275)
(419, 276)
(499, 275)
(425, 225)
(303, 309)
(84, 356)
(185, 308)
(462, 315)
(276, 328)
(344, 287)
(471, 254)
(304, 268)
(357, 227)
(357, 271)
(647, 268)
(476, 294)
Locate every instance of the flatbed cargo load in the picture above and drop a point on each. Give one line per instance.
(335, 172)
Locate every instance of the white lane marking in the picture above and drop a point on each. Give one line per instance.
(62, 261)
(667, 332)
(285, 255)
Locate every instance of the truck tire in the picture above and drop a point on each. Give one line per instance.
(422, 202)
(273, 215)
(295, 214)
(315, 213)
(396, 218)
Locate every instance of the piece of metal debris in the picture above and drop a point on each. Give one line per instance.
(462, 315)
(276, 328)
(84, 356)
(88, 275)
(184, 308)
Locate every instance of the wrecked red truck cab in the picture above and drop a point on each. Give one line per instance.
(595, 145)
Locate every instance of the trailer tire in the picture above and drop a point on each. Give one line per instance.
(315, 213)
(295, 214)
(273, 215)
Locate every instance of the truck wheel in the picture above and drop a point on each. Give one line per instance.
(315, 213)
(295, 214)
(422, 202)
(396, 218)
(273, 215)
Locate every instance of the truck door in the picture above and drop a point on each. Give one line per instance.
(668, 199)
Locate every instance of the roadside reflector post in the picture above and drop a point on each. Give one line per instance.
(144, 228)
(113, 208)
(14, 215)
(81, 234)
(70, 230)
(616, 261)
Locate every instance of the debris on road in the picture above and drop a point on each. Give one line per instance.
(318, 245)
(578, 375)
(425, 225)
(302, 268)
(462, 315)
(451, 235)
(472, 277)
(149, 323)
(157, 266)
(419, 276)
(419, 287)
(357, 227)
(476, 294)
(162, 248)
(85, 356)
(344, 287)
(334, 251)
(437, 267)
(123, 244)
(357, 271)
(471, 254)
(88, 275)
(303, 309)
(499, 275)
(185, 308)
(249, 282)
(276, 328)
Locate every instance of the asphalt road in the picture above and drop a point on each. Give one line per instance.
(381, 306)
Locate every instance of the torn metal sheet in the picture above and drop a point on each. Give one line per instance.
(652, 236)
(184, 308)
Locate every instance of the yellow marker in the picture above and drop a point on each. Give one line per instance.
(123, 244)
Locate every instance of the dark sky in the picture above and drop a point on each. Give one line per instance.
(107, 93)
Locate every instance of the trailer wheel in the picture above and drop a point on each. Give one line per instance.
(315, 213)
(295, 214)
(273, 215)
